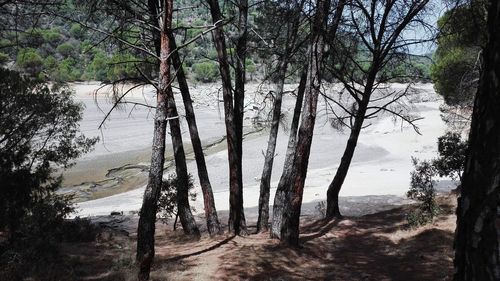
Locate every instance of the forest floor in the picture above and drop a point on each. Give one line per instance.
(378, 246)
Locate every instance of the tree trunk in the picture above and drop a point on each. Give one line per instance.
(213, 224)
(379, 53)
(332, 197)
(183, 209)
(236, 217)
(239, 102)
(265, 180)
(147, 219)
(279, 197)
(293, 200)
(477, 237)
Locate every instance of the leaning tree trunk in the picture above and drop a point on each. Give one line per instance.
(213, 224)
(477, 237)
(236, 217)
(265, 180)
(147, 219)
(239, 100)
(279, 197)
(379, 53)
(332, 196)
(293, 200)
(183, 208)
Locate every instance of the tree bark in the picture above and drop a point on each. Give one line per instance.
(183, 209)
(332, 196)
(239, 102)
(265, 180)
(477, 237)
(236, 216)
(279, 197)
(293, 200)
(213, 224)
(147, 219)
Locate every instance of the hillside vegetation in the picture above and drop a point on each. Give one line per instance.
(60, 48)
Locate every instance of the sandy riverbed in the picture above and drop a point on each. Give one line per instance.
(116, 170)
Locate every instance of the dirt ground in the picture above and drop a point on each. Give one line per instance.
(372, 247)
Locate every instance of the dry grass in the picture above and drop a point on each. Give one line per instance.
(372, 247)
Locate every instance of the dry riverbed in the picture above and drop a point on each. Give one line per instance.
(113, 176)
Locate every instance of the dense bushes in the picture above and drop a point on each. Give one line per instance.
(64, 53)
(39, 133)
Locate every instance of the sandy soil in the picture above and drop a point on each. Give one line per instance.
(117, 168)
(379, 246)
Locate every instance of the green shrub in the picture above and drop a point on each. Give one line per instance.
(167, 203)
(66, 50)
(50, 64)
(29, 61)
(452, 153)
(448, 72)
(35, 253)
(67, 70)
(205, 71)
(32, 37)
(49, 116)
(52, 36)
(3, 58)
(422, 190)
(121, 66)
(77, 31)
(97, 69)
(40, 133)
(5, 43)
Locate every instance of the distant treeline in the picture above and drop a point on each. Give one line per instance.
(57, 49)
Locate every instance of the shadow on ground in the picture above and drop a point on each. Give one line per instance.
(378, 246)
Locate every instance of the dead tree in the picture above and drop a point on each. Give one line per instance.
(147, 219)
(293, 13)
(477, 237)
(237, 217)
(378, 25)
